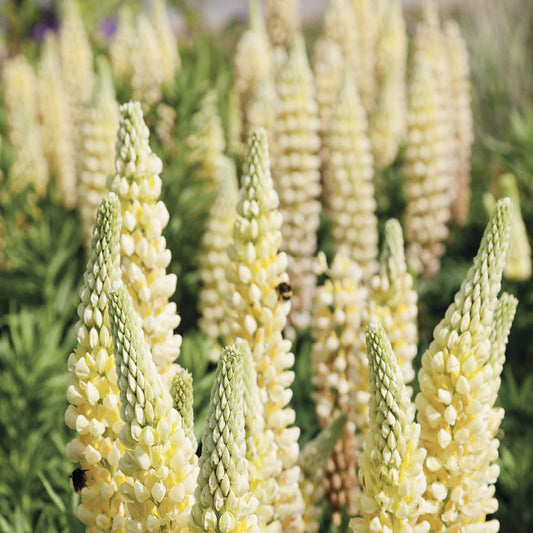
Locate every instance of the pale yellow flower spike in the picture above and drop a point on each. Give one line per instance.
(462, 112)
(348, 181)
(57, 130)
(261, 110)
(98, 137)
(214, 257)
(295, 169)
(159, 457)
(168, 44)
(341, 385)
(257, 313)
(518, 262)
(391, 467)
(144, 254)
(393, 300)
(428, 177)
(121, 48)
(283, 21)
(92, 391)
(454, 403)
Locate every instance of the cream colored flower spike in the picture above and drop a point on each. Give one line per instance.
(224, 502)
(341, 380)
(257, 312)
(144, 254)
(429, 179)
(283, 21)
(168, 44)
(454, 403)
(295, 168)
(348, 181)
(98, 137)
(56, 123)
(120, 49)
(92, 391)
(463, 119)
(159, 457)
(391, 467)
(214, 259)
(393, 300)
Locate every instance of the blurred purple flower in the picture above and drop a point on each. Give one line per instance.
(48, 22)
(108, 28)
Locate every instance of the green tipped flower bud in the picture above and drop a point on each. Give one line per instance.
(181, 391)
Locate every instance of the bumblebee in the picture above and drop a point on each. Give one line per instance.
(79, 479)
(284, 291)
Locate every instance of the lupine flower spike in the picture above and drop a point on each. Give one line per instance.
(120, 49)
(182, 397)
(313, 459)
(454, 403)
(168, 45)
(224, 503)
(144, 255)
(257, 313)
(92, 390)
(341, 383)
(98, 137)
(348, 181)
(214, 258)
(283, 22)
(296, 174)
(159, 456)
(393, 300)
(391, 467)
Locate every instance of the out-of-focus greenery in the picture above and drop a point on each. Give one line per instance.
(44, 260)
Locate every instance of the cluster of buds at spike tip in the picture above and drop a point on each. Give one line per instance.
(144, 255)
(98, 137)
(214, 258)
(224, 502)
(348, 181)
(56, 123)
(296, 174)
(391, 467)
(341, 368)
(454, 403)
(462, 116)
(427, 188)
(159, 457)
(313, 460)
(181, 391)
(92, 390)
(283, 22)
(257, 313)
(393, 300)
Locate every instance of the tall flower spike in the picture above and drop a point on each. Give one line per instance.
(391, 467)
(341, 383)
(296, 175)
(313, 459)
(257, 313)
(98, 137)
(261, 109)
(168, 44)
(348, 181)
(518, 262)
(283, 21)
(453, 405)
(181, 391)
(224, 502)
(393, 300)
(462, 114)
(159, 457)
(121, 48)
(428, 176)
(214, 258)
(144, 255)
(56, 123)
(92, 391)
(263, 462)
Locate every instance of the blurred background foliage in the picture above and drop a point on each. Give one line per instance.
(43, 258)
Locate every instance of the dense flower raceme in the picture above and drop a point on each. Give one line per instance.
(93, 391)
(454, 403)
(144, 255)
(168, 46)
(391, 467)
(258, 314)
(224, 503)
(283, 22)
(181, 390)
(341, 383)
(159, 457)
